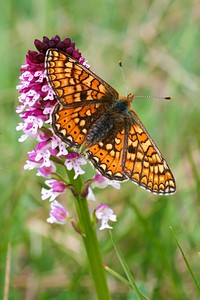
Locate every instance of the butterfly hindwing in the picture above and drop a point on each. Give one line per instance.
(144, 163)
(131, 153)
(72, 124)
(106, 156)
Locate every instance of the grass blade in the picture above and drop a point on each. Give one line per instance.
(186, 261)
(127, 271)
(7, 274)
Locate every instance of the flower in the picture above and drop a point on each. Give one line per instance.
(74, 161)
(101, 182)
(40, 158)
(58, 213)
(104, 213)
(56, 188)
(90, 195)
(57, 143)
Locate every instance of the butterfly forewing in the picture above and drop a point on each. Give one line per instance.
(122, 150)
(73, 83)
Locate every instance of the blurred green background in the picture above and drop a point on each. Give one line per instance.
(159, 45)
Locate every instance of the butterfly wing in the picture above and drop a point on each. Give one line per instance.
(106, 156)
(131, 153)
(143, 163)
(71, 124)
(83, 97)
(75, 85)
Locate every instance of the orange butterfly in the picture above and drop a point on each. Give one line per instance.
(90, 112)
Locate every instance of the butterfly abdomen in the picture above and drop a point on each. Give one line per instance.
(108, 124)
(100, 130)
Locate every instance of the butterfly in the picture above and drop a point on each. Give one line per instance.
(91, 113)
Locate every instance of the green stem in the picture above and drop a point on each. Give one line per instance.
(90, 241)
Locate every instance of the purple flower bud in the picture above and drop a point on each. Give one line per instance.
(56, 188)
(58, 213)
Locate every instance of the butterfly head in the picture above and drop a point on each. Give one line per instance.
(128, 99)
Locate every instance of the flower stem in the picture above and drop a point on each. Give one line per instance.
(90, 241)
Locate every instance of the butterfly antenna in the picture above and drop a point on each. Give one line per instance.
(155, 97)
(141, 96)
(125, 81)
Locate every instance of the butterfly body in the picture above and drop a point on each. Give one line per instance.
(109, 124)
(90, 112)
